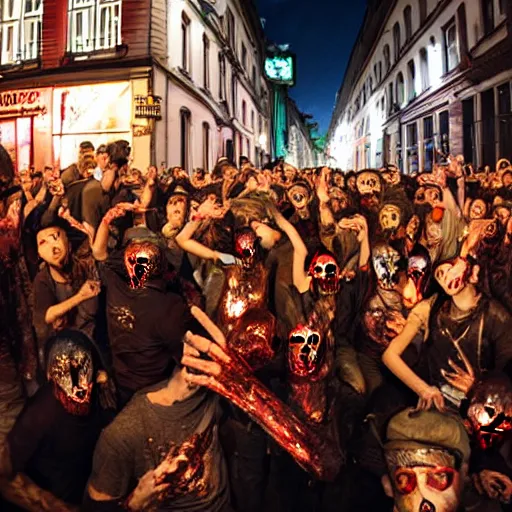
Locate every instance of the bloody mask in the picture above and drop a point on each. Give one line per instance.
(143, 261)
(386, 262)
(424, 479)
(247, 247)
(490, 410)
(453, 275)
(325, 274)
(306, 350)
(70, 369)
(419, 268)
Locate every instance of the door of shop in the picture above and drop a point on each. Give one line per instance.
(16, 138)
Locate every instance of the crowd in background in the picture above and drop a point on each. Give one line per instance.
(255, 340)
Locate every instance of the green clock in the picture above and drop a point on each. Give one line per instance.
(280, 69)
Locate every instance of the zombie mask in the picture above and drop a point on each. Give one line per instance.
(386, 262)
(247, 247)
(325, 274)
(306, 350)
(299, 195)
(490, 410)
(368, 182)
(477, 210)
(143, 261)
(390, 218)
(453, 275)
(424, 479)
(70, 369)
(391, 175)
(419, 268)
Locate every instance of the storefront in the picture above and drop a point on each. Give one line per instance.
(45, 126)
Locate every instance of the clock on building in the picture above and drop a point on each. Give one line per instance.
(280, 69)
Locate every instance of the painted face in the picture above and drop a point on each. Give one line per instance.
(53, 246)
(325, 273)
(490, 410)
(418, 275)
(385, 262)
(502, 214)
(247, 247)
(176, 210)
(478, 210)
(390, 217)
(306, 350)
(368, 182)
(424, 480)
(299, 196)
(453, 276)
(427, 195)
(143, 260)
(70, 368)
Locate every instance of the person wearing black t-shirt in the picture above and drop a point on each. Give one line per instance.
(47, 457)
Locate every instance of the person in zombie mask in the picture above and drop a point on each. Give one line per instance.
(467, 336)
(394, 215)
(391, 175)
(489, 415)
(47, 456)
(427, 455)
(137, 298)
(369, 188)
(476, 209)
(419, 271)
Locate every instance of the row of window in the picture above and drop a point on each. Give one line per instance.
(92, 25)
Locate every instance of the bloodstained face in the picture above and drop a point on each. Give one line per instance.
(306, 350)
(419, 268)
(424, 479)
(247, 247)
(70, 368)
(53, 246)
(143, 260)
(325, 274)
(453, 276)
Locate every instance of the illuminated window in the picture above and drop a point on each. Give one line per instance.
(93, 25)
(408, 23)
(400, 96)
(206, 146)
(451, 46)
(206, 62)
(185, 42)
(397, 41)
(21, 30)
(387, 57)
(184, 138)
(425, 77)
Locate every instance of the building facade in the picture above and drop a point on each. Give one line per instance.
(181, 80)
(426, 75)
(300, 149)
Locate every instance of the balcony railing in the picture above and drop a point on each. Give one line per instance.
(93, 25)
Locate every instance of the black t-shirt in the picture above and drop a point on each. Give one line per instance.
(144, 434)
(145, 326)
(54, 448)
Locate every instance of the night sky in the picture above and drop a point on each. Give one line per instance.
(321, 33)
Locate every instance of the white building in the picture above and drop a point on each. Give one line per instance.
(426, 75)
(300, 150)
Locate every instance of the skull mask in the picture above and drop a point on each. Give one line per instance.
(143, 261)
(247, 247)
(368, 182)
(490, 410)
(386, 261)
(70, 368)
(306, 350)
(419, 268)
(325, 273)
(390, 218)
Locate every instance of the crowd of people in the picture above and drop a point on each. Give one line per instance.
(253, 340)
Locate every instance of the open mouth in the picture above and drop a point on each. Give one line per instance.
(455, 283)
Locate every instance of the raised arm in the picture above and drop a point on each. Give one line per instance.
(301, 280)
(231, 377)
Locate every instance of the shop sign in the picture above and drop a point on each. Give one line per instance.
(148, 107)
(21, 103)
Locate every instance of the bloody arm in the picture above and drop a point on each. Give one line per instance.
(229, 376)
